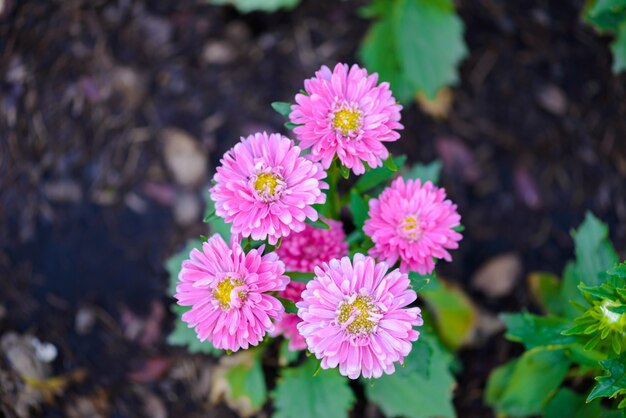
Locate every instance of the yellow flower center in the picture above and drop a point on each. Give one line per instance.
(410, 228)
(360, 311)
(224, 290)
(266, 184)
(347, 120)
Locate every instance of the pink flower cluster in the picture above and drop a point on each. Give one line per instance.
(354, 314)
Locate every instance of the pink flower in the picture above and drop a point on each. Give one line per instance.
(288, 326)
(353, 315)
(313, 246)
(266, 189)
(226, 289)
(345, 113)
(412, 222)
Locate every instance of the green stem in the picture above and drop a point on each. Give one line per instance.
(334, 201)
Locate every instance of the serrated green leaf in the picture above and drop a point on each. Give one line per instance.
(282, 108)
(613, 383)
(307, 392)
(594, 251)
(377, 176)
(173, 265)
(429, 39)
(413, 393)
(594, 255)
(425, 172)
(247, 6)
(247, 381)
(184, 336)
(537, 331)
(379, 53)
(523, 387)
(618, 48)
(359, 208)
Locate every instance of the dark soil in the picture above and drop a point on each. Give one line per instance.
(87, 205)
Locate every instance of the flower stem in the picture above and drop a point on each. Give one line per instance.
(334, 200)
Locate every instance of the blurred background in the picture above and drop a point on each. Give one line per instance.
(114, 114)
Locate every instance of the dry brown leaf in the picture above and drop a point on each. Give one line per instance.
(184, 157)
(439, 107)
(498, 276)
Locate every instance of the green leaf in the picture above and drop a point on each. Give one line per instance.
(418, 281)
(594, 251)
(300, 276)
(390, 164)
(545, 288)
(567, 403)
(173, 265)
(320, 224)
(301, 392)
(247, 6)
(422, 388)
(379, 53)
(377, 176)
(613, 383)
(344, 171)
(425, 172)
(283, 108)
(247, 381)
(606, 15)
(216, 224)
(537, 331)
(184, 336)
(498, 382)
(285, 355)
(618, 47)
(291, 126)
(455, 315)
(594, 255)
(359, 208)
(430, 45)
(290, 306)
(524, 386)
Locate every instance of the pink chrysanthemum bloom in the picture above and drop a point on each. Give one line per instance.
(413, 222)
(354, 315)
(313, 246)
(226, 289)
(345, 113)
(288, 326)
(266, 189)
